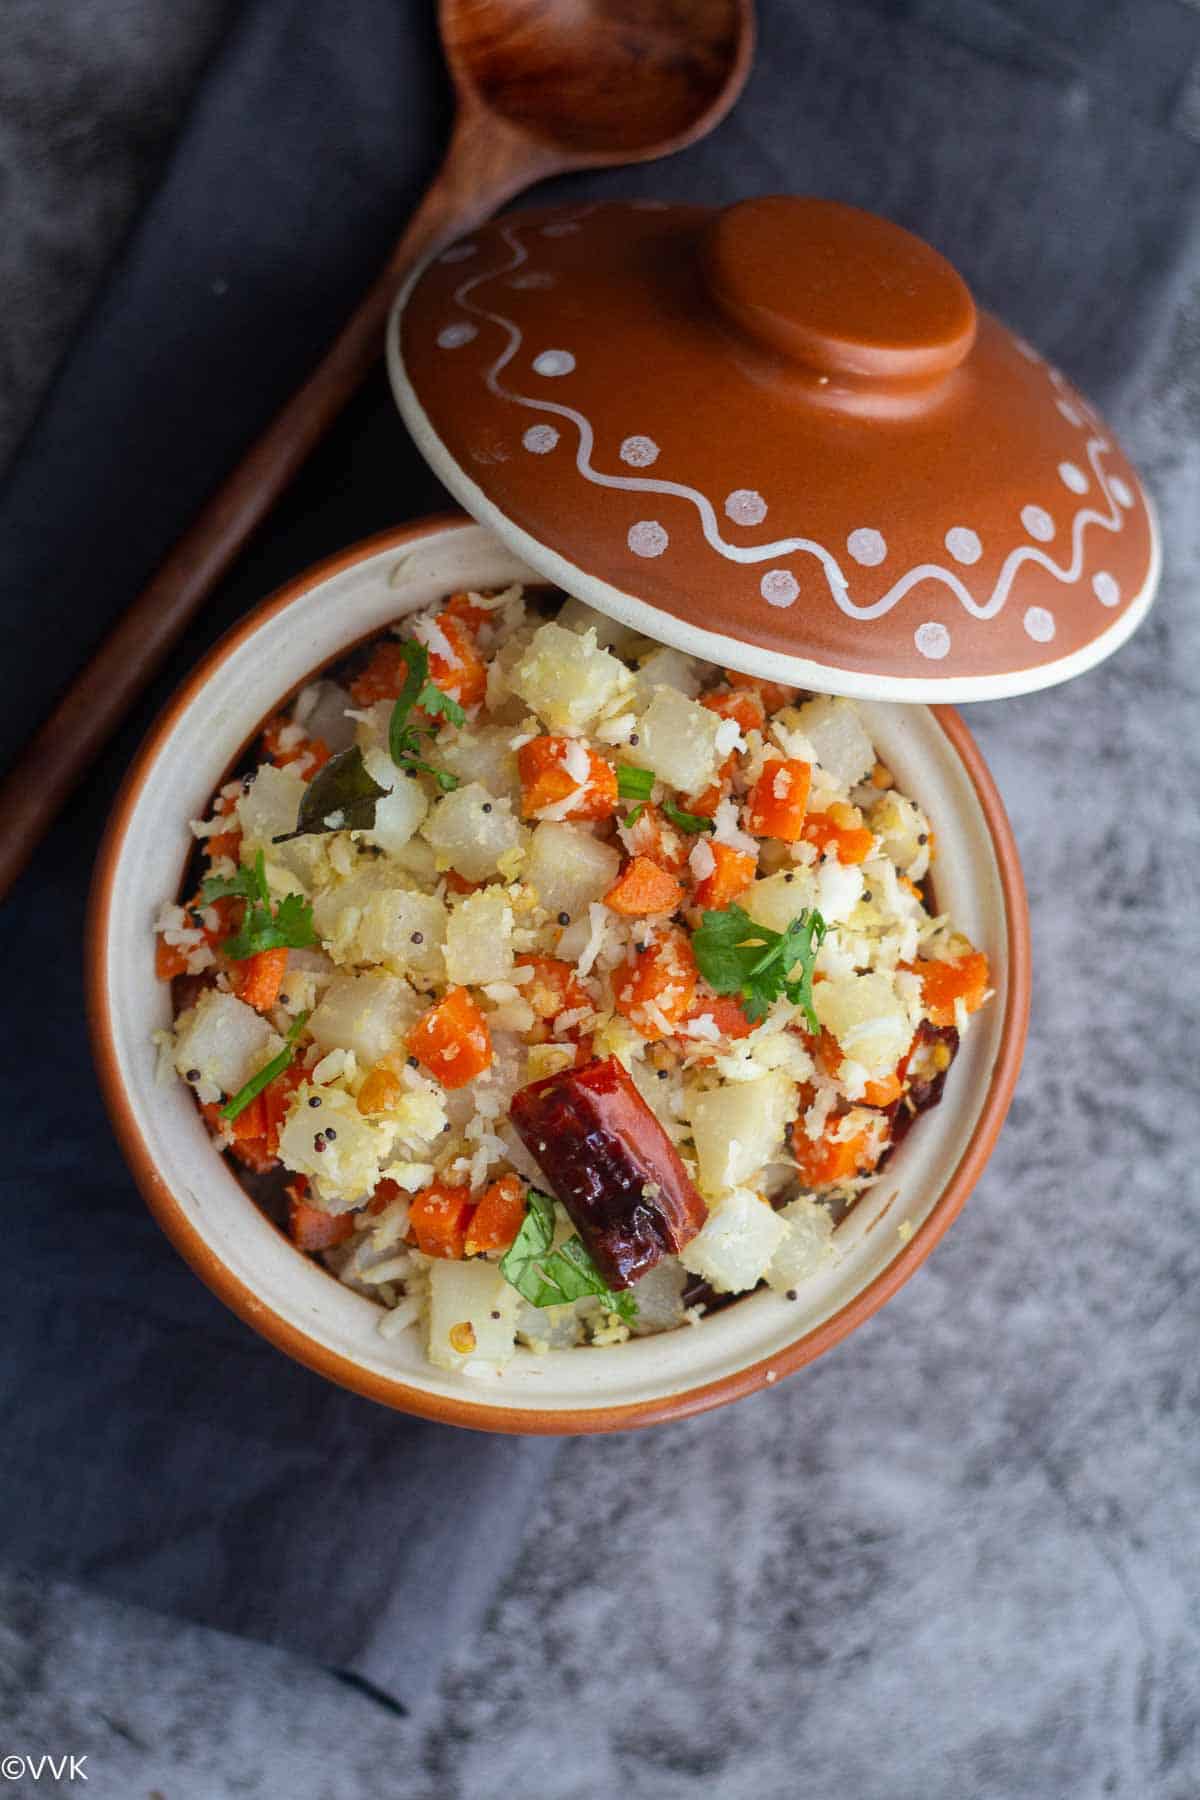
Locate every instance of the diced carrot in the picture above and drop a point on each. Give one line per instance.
(555, 987)
(452, 1039)
(309, 1227)
(884, 1091)
(385, 1192)
(462, 673)
(226, 843)
(438, 1218)
(731, 874)
(382, 677)
(260, 977)
(642, 888)
(462, 607)
(276, 1099)
(651, 835)
(547, 781)
(705, 804)
(942, 983)
(830, 1159)
(725, 1011)
(842, 829)
(498, 1217)
(773, 694)
(380, 1090)
(169, 960)
(780, 797)
(654, 988)
(458, 884)
(251, 1122)
(299, 751)
(743, 704)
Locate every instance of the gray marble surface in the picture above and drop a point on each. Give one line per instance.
(957, 1559)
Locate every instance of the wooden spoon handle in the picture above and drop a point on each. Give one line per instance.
(484, 166)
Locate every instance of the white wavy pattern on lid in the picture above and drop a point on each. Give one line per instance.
(839, 587)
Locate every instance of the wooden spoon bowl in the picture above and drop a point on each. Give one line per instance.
(604, 81)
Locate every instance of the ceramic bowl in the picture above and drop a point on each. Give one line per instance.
(305, 1311)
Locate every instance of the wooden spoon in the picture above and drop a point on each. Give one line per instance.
(543, 86)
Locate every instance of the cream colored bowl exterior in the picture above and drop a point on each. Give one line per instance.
(232, 1244)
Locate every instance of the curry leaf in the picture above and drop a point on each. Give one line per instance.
(340, 797)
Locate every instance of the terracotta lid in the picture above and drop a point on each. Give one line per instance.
(781, 436)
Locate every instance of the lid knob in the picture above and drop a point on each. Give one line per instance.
(848, 295)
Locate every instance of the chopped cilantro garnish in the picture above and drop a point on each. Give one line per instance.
(290, 927)
(404, 740)
(266, 1075)
(737, 956)
(686, 821)
(633, 783)
(547, 1277)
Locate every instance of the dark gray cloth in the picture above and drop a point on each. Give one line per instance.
(152, 1444)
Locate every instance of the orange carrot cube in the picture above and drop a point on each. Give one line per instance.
(731, 874)
(779, 800)
(452, 1039)
(654, 988)
(311, 1229)
(498, 1217)
(547, 780)
(642, 888)
(438, 1218)
(260, 977)
(942, 983)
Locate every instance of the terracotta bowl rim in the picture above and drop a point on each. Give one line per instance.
(475, 1414)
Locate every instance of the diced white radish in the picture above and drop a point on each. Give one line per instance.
(659, 1297)
(779, 899)
(321, 709)
(472, 1313)
(678, 740)
(344, 1167)
(739, 1128)
(399, 814)
(473, 831)
(225, 1039)
(734, 1248)
(867, 1017)
(479, 938)
(807, 1247)
(480, 753)
(665, 667)
(610, 633)
(835, 731)
(369, 1014)
(270, 805)
(568, 679)
(839, 889)
(569, 868)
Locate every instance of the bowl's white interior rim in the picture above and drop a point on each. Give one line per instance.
(189, 764)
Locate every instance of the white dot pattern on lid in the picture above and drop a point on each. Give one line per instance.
(1038, 523)
(536, 278)
(963, 545)
(867, 546)
(647, 538)
(1073, 477)
(745, 507)
(1039, 624)
(540, 439)
(639, 452)
(458, 253)
(1068, 412)
(553, 362)
(1106, 588)
(932, 640)
(779, 587)
(451, 337)
(1121, 492)
(1027, 351)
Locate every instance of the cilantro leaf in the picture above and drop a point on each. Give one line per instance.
(340, 797)
(441, 705)
(737, 956)
(290, 927)
(547, 1277)
(266, 1075)
(686, 821)
(633, 783)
